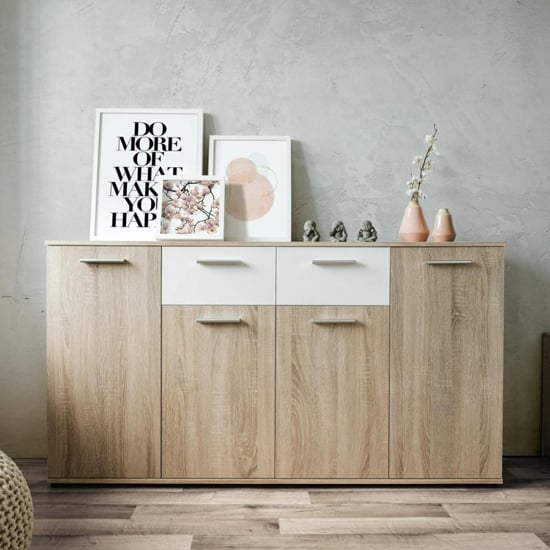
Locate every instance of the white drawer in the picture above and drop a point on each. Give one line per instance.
(196, 275)
(333, 276)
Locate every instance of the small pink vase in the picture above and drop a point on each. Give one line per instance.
(413, 227)
(443, 230)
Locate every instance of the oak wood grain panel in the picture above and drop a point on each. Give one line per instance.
(218, 392)
(332, 393)
(446, 364)
(284, 481)
(103, 363)
(351, 244)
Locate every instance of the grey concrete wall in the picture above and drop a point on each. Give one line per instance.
(356, 84)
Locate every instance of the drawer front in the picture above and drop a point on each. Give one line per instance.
(333, 276)
(218, 275)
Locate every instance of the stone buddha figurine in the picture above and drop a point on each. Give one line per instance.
(310, 232)
(367, 233)
(338, 232)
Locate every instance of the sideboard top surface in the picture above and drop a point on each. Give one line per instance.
(394, 244)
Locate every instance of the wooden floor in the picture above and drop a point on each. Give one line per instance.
(514, 516)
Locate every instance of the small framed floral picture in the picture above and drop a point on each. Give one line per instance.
(192, 208)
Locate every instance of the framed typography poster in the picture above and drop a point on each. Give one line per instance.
(134, 150)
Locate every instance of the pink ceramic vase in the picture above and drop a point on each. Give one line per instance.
(443, 230)
(413, 227)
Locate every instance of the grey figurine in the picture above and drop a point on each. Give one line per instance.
(338, 232)
(310, 232)
(367, 233)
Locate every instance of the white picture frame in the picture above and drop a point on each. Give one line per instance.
(191, 208)
(258, 185)
(133, 148)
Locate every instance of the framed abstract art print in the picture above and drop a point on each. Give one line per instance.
(257, 186)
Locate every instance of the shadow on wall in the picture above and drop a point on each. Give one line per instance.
(13, 130)
(209, 130)
(22, 209)
(302, 194)
(522, 358)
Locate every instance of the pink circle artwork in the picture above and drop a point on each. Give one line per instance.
(248, 195)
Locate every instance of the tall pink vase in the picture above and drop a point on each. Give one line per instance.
(413, 227)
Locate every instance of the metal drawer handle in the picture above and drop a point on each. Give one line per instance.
(206, 261)
(449, 262)
(334, 321)
(333, 262)
(214, 321)
(103, 260)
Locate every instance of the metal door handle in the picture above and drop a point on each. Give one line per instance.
(333, 262)
(334, 321)
(103, 260)
(449, 262)
(206, 261)
(214, 321)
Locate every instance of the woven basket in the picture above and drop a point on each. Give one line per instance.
(15, 507)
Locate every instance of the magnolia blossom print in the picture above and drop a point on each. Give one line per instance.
(191, 208)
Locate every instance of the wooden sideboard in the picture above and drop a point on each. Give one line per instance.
(275, 362)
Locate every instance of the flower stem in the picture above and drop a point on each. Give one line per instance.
(427, 155)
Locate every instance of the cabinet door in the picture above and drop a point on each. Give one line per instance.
(218, 391)
(446, 362)
(332, 392)
(103, 362)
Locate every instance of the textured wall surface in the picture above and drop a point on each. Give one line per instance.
(356, 83)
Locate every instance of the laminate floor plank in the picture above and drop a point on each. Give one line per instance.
(526, 473)
(515, 516)
(536, 492)
(155, 526)
(509, 511)
(404, 495)
(116, 542)
(68, 511)
(34, 468)
(146, 496)
(527, 467)
(501, 517)
(255, 495)
(455, 541)
(366, 526)
(73, 527)
(310, 511)
(88, 495)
